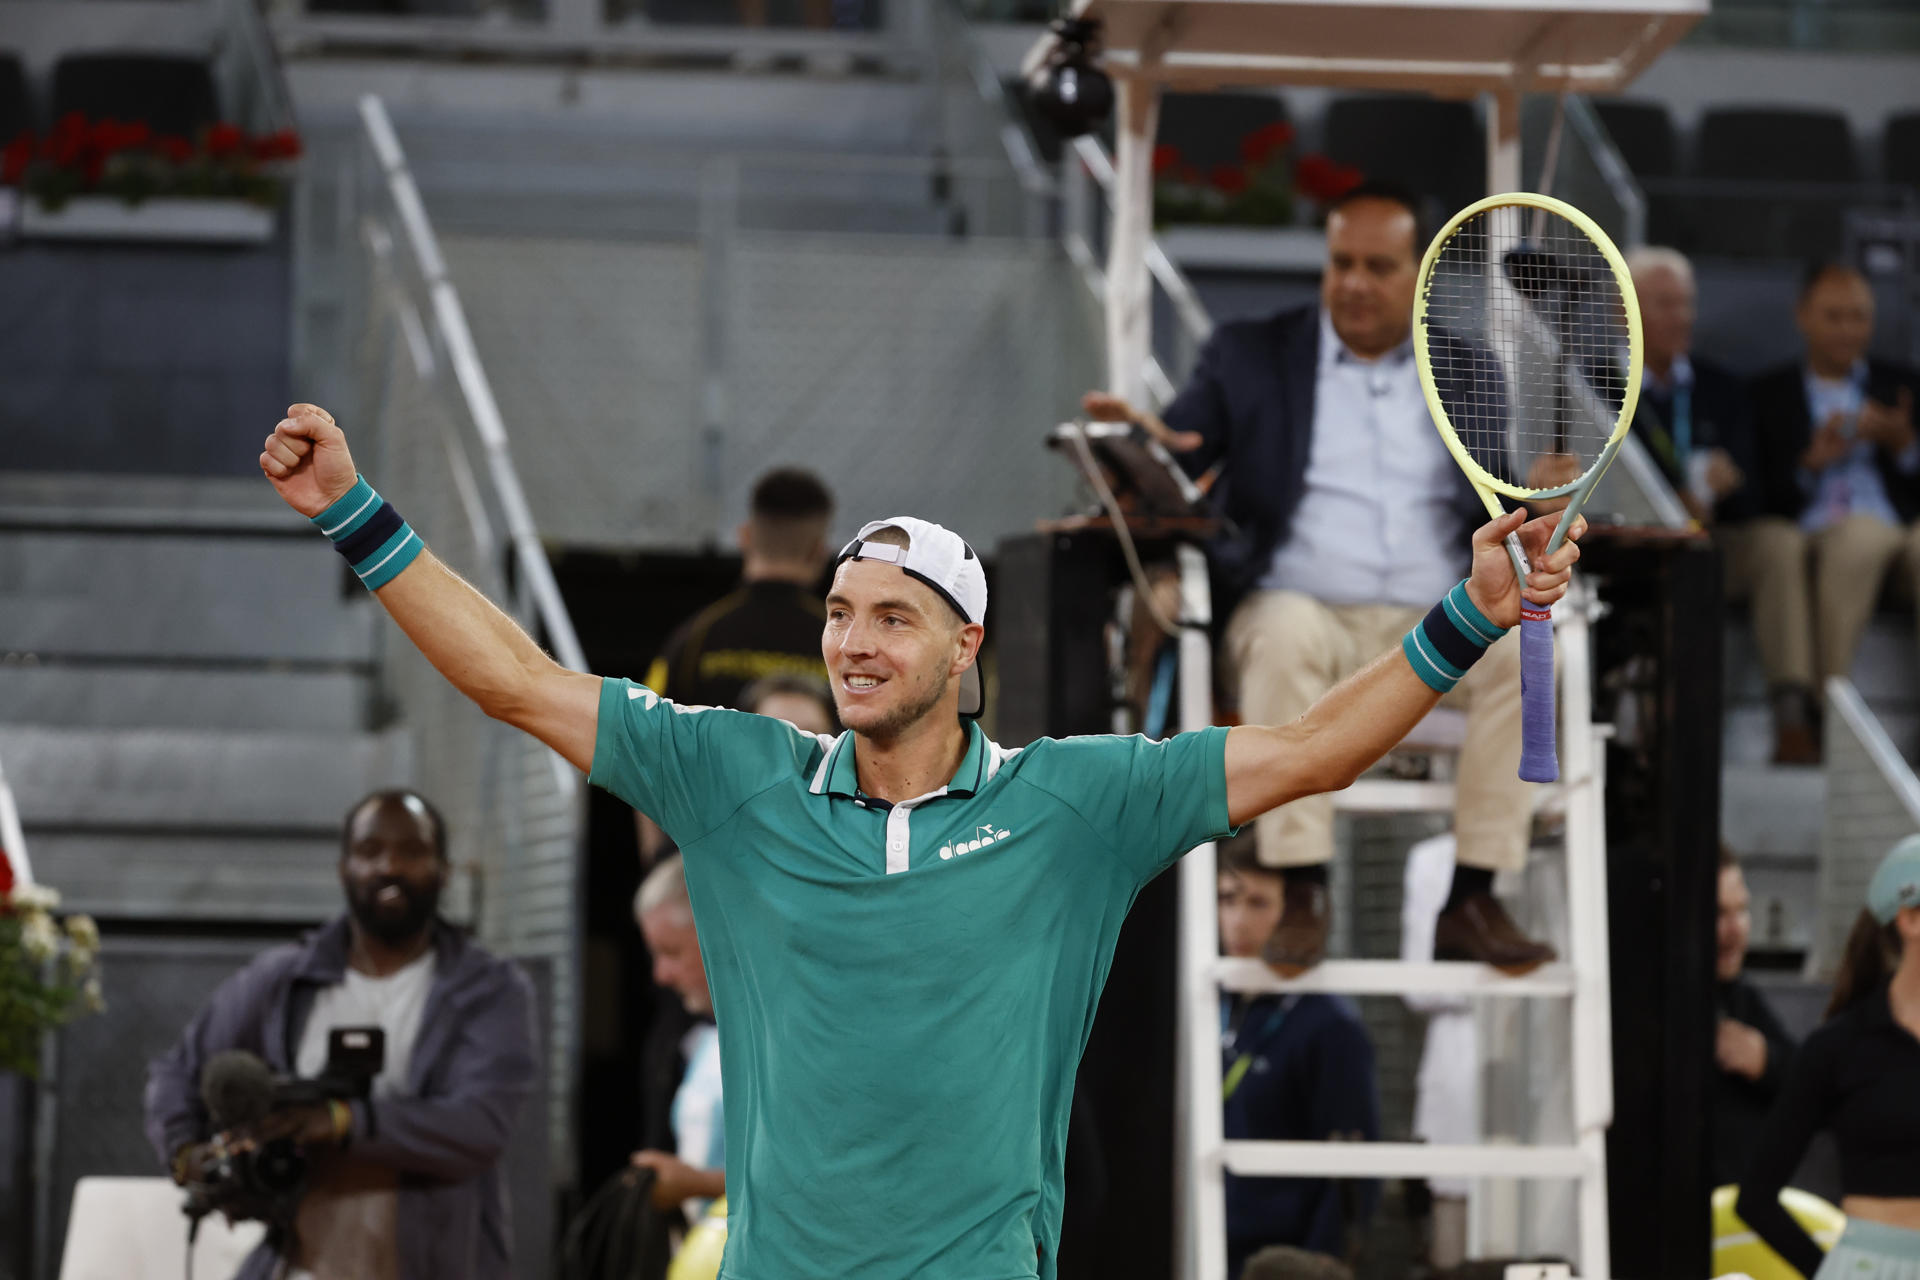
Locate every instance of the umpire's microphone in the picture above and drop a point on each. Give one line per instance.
(237, 1089)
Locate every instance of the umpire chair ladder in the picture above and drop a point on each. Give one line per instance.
(1206, 1156)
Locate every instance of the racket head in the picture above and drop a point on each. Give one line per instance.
(1527, 336)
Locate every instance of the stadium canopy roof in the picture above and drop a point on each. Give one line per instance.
(1451, 47)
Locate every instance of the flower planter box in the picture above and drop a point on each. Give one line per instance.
(165, 218)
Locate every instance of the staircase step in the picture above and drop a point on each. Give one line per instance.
(198, 876)
(142, 696)
(1403, 1160)
(123, 781)
(66, 501)
(179, 595)
(1772, 809)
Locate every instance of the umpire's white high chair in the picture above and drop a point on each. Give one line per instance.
(1498, 49)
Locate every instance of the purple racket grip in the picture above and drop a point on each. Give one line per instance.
(1539, 761)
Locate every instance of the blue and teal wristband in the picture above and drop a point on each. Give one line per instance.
(1448, 640)
(369, 533)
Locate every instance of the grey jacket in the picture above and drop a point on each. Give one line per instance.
(472, 1067)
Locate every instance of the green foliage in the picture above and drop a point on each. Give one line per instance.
(48, 973)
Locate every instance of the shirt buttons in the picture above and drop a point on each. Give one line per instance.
(897, 845)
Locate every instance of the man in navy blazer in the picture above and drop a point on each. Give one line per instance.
(1838, 458)
(1350, 515)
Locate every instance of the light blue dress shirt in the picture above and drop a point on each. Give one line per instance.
(1377, 523)
(1851, 486)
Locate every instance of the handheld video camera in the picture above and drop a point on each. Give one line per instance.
(250, 1179)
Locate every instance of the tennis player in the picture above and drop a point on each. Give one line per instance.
(906, 927)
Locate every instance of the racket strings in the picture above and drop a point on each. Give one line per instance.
(1527, 336)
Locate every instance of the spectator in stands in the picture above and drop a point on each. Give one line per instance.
(769, 625)
(772, 623)
(801, 701)
(1752, 1051)
(1296, 1068)
(1695, 420)
(693, 1175)
(1352, 514)
(405, 1184)
(1838, 457)
(1855, 1076)
(1693, 415)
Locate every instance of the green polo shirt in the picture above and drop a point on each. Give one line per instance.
(904, 991)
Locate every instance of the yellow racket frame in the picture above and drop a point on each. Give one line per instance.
(1483, 480)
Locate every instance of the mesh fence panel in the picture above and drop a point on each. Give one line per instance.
(514, 809)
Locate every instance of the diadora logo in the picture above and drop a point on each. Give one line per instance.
(643, 695)
(983, 835)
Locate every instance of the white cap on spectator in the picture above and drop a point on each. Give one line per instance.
(942, 559)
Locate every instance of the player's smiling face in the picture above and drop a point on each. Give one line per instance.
(893, 648)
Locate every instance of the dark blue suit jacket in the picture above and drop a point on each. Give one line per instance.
(1311, 1076)
(1251, 398)
(1722, 419)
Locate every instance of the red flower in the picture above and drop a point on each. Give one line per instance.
(1323, 180)
(14, 160)
(284, 145)
(1259, 145)
(67, 141)
(1166, 157)
(174, 148)
(1228, 180)
(223, 140)
(6, 867)
(110, 137)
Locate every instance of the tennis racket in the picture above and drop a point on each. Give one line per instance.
(1527, 333)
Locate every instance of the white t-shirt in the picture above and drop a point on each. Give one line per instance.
(699, 1120)
(348, 1220)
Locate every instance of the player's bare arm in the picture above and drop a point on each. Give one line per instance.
(1362, 718)
(482, 651)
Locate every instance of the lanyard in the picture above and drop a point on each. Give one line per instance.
(1238, 1067)
(1683, 423)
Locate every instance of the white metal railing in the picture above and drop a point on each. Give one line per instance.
(425, 422)
(1873, 800)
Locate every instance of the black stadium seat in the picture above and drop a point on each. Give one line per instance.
(16, 105)
(172, 93)
(1434, 147)
(1900, 149)
(1766, 144)
(1207, 128)
(1643, 133)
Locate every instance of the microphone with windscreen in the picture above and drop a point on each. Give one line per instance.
(237, 1089)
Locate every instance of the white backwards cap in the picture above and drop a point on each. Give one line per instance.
(941, 559)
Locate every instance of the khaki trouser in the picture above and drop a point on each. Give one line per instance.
(1287, 649)
(1766, 559)
(1850, 563)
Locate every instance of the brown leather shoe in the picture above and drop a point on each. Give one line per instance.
(1480, 929)
(1795, 744)
(1300, 941)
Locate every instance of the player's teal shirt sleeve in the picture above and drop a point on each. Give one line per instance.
(1150, 801)
(690, 768)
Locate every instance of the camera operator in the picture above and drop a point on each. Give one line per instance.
(404, 1184)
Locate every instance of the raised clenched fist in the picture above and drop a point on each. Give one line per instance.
(307, 461)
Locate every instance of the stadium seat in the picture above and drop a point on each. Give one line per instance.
(1900, 149)
(1434, 147)
(1644, 135)
(16, 104)
(173, 93)
(1208, 127)
(1763, 144)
